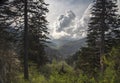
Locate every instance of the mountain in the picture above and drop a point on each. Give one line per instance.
(71, 47)
(64, 50)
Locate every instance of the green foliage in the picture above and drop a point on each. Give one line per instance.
(52, 73)
(109, 76)
(111, 72)
(61, 72)
(88, 62)
(35, 76)
(50, 69)
(34, 79)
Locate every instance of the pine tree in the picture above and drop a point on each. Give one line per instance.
(37, 28)
(102, 33)
(3, 1)
(12, 16)
(102, 23)
(8, 58)
(37, 32)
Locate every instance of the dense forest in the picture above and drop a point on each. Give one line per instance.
(24, 35)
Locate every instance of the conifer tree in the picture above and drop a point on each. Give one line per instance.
(8, 58)
(13, 13)
(101, 34)
(38, 31)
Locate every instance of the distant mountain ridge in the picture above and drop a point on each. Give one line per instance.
(66, 49)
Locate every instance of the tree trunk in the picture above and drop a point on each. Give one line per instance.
(26, 76)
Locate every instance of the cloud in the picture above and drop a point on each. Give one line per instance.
(68, 26)
(73, 1)
(58, 7)
(64, 21)
(119, 5)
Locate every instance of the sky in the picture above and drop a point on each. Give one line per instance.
(58, 7)
(68, 18)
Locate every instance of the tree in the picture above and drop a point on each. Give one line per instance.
(103, 29)
(88, 62)
(9, 66)
(9, 62)
(37, 31)
(13, 15)
(37, 26)
(103, 21)
(3, 1)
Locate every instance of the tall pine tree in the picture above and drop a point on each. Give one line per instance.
(102, 34)
(37, 28)
(37, 31)
(12, 16)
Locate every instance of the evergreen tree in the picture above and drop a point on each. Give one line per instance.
(102, 32)
(8, 59)
(13, 14)
(37, 29)
(102, 23)
(37, 32)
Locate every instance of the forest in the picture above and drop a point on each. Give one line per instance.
(24, 36)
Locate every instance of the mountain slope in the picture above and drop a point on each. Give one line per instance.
(66, 49)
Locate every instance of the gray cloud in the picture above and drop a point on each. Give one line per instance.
(68, 26)
(58, 7)
(64, 21)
